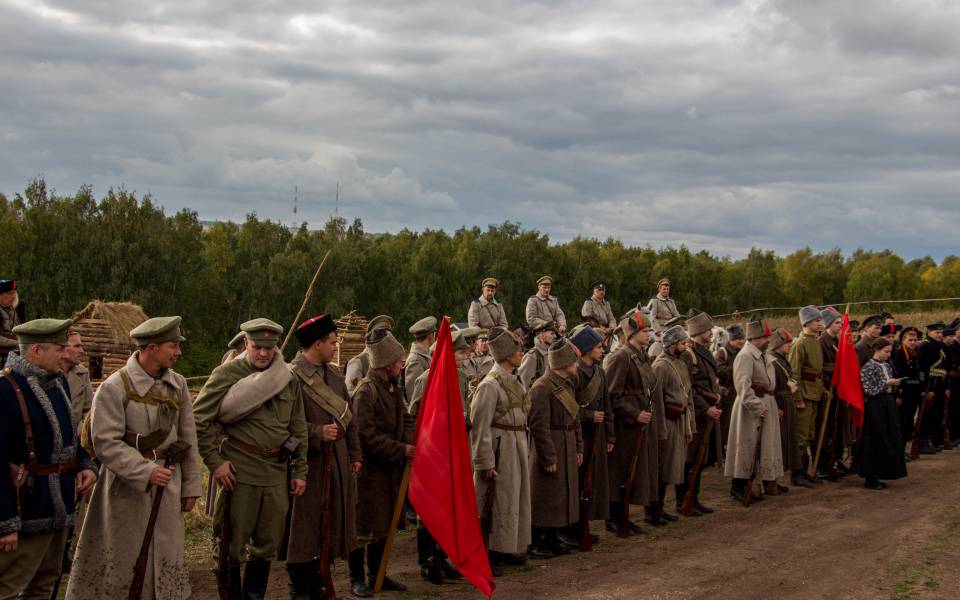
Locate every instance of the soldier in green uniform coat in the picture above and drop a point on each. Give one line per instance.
(424, 334)
(806, 362)
(250, 425)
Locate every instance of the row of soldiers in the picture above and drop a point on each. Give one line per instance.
(308, 462)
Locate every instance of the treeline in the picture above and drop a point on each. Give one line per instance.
(66, 250)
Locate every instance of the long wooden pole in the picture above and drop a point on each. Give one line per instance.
(392, 532)
(823, 430)
(306, 298)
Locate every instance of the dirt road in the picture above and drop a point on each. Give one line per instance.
(837, 540)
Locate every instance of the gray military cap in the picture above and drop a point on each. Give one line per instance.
(380, 322)
(157, 330)
(7, 343)
(423, 326)
(262, 332)
(237, 340)
(43, 331)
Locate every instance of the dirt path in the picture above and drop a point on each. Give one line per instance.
(838, 540)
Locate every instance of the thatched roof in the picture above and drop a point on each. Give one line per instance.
(120, 317)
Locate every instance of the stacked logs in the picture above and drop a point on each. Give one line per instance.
(99, 341)
(351, 328)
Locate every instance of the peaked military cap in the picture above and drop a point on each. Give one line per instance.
(314, 329)
(598, 285)
(262, 332)
(236, 340)
(470, 334)
(871, 320)
(680, 320)
(460, 340)
(424, 326)
(380, 322)
(938, 326)
(43, 331)
(545, 280)
(489, 281)
(909, 329)
(949, 331)
(7, 343)
(7, 285)
(158, 330)
(663, 281)
(550, 326)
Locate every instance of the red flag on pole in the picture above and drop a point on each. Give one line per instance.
(441, 479)
(846, 373)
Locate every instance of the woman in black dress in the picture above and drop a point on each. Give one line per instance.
(881, 445)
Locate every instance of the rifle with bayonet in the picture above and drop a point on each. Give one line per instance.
(585, 543)
(626, 488)
(175, 454)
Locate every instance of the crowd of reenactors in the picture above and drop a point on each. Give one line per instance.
(567, 425)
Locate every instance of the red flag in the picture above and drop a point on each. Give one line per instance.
(441, 479)
(846, 373)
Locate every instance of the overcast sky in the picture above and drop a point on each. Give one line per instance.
(718, 124)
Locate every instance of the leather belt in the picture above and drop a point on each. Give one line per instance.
(154, 454)
(70, 465)
(271, 453)
(505, 427)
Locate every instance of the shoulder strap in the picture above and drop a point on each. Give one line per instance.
(27, 428)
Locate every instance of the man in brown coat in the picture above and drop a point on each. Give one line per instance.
(706, 403)
(637, 402)
(556, 452)
(331, 431)
(384, 426)
(596, 418)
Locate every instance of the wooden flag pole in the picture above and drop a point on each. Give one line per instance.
(392, 532)
(306, 298)
(823, 425)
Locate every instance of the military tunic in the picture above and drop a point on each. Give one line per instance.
(592, 396)
(533, 365)
(675, 385)
(633, 388)
(598, 310)
(8, 320)
(260, 498)
(305, 543)
(418, 361)
(81, 394)
(499, 416)
(486, 314)
(543, 311)
(385, 428)
(121, 503)
(557, 439)
(357, 368)
(806, 362)
(750, 368)
(477, 367)
(662, 309)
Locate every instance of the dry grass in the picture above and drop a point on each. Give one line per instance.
(791, 322)
(121, 317)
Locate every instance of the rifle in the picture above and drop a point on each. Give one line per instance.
(947, 444)
(823, 430)
(691, 495)
(915, 446)
(486, 517)
(585, 543)
(748, 492)
(175, 454)
(222, 570)
(329, 593)
(626, 488)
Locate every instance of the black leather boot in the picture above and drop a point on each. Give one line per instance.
(233, 581)
(303, 580)
(255, 577)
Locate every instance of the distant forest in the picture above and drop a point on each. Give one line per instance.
(68, 249)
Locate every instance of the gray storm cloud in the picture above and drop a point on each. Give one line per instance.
(716, 124)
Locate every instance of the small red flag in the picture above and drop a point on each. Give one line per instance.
(441, 478)
(846, 373)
